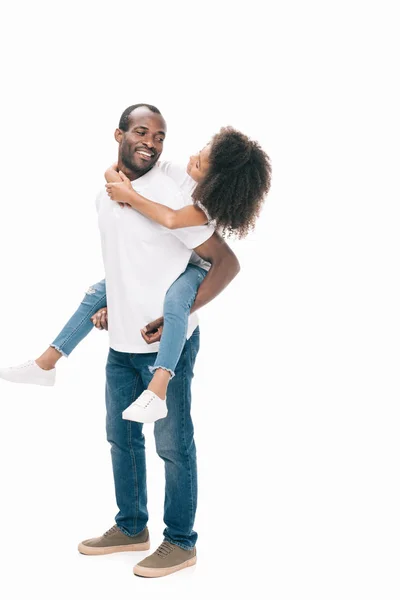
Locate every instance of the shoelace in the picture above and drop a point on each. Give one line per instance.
(164, 549)
(23, 366)
(113, 529)
(145, 400)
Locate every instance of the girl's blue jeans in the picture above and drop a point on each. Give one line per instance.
(177, 305)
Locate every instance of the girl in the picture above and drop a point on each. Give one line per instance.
(228, 181)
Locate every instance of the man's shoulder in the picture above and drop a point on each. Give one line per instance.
(176, 171)
(158, 186)
(101, 196)
(179, 175)
(156, 177)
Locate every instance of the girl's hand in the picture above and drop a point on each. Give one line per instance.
(125, 180)
(119, 191)
(112, 175)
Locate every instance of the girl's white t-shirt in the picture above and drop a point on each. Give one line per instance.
(142, 259)
(186, 184)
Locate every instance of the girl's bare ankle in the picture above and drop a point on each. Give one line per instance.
(159, 384)
(48, 359)
(46, 366)
(160, 391)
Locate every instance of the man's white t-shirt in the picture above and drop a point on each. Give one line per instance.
(142, 259)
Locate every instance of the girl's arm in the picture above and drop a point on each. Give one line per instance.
(189, 216)
(112, 175)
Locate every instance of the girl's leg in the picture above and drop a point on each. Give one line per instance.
(48, 359)
(42, 371)
(77, 327)
(177, 305)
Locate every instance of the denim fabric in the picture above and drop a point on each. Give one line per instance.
(177, 304)
(80, 324)
(127, 375)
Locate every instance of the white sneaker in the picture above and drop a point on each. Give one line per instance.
(146, 409)
(29, 372)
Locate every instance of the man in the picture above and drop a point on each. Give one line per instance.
(142, 259)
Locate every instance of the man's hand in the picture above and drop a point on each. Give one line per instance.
(153, 331)
(100, 319)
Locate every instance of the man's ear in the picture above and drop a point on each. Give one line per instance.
(118, 135)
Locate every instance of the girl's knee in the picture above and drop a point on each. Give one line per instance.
(96, 293)
(181, 296)
(177, 305)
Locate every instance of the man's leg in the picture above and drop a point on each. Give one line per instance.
(128, 461)
(151, 406)
(123, 385)
(175, 445)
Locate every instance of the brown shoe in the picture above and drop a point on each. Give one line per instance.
(167, 559)
(115, 541)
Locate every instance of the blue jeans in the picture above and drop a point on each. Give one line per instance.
(127, 375)
(177, 304)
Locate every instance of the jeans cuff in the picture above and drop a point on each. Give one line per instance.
(126, 532)
(177, 544)
(155, 367)
(58, 350)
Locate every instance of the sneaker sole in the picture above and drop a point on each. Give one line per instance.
(127, 417)
(93, 551)
(42, 383)
(153, 572)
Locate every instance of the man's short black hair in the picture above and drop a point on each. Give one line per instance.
(124, 120)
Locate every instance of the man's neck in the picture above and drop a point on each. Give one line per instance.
(132, 175)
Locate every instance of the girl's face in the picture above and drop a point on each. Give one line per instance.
(199, 164)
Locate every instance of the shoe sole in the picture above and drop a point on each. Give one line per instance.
(127, 417)
(93, 551)
(44, 383)
(153, 572)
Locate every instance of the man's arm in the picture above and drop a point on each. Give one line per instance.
(224, 267)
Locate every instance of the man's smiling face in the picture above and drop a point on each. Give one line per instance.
(141, 145)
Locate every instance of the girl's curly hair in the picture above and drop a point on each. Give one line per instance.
(236, 183)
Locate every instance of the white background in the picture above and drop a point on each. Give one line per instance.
(296, 391)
